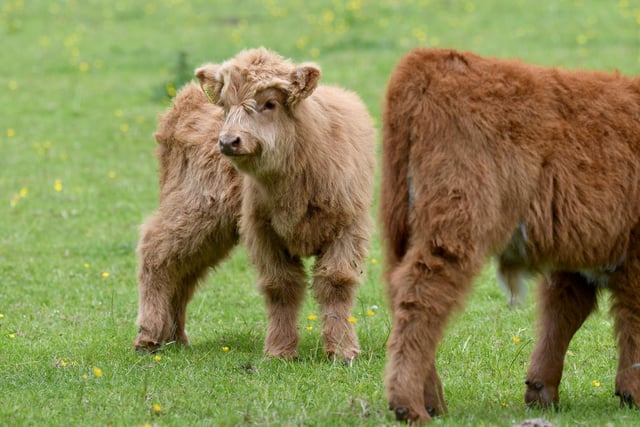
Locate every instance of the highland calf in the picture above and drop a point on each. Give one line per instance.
(196, 225)
(307, 155)
(539, 167)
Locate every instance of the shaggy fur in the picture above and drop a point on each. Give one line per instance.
(307, 156)
(195, 226)
(539, 167)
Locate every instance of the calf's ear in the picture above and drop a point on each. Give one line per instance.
(304, 80)
(210, 81)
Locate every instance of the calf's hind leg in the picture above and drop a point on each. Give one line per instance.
(565, 303)
(423, 290)
(625, 286)
(174, 255)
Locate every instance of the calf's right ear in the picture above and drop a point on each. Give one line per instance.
(210, 81)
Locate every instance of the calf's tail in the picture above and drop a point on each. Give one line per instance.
(395, 186)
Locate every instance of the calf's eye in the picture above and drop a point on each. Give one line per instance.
(269, 105)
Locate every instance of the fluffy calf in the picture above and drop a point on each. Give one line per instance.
(306, 153)
(537, 166)
(195, 226)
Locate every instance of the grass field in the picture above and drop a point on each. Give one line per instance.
(81, 84)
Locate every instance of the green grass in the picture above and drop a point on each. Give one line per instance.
(81, 83)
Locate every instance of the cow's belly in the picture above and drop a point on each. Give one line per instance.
(524, 253)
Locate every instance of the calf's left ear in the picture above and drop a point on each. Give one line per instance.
(304, 80)
(210, 81)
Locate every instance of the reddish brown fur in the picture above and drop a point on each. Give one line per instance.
(196, 224)
(307, 155)
(537, 166)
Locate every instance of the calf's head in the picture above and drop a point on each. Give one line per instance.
(260, 92)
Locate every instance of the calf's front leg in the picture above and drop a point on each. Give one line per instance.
(336, 276)
(281, 279)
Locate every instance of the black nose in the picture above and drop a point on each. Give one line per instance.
(229, 144)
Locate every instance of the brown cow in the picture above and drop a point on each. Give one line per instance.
(537, 166)
(307, 154)
(196, 225)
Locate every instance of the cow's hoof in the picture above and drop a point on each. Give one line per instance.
(402, 414)
(347, 357)
(283, 354)
(626, 399)
(143, 346)
(407, 415)
(540, 395)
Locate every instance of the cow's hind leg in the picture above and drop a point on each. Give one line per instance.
(423, 290)
(565, 303)
(625, 286)
(174, 255)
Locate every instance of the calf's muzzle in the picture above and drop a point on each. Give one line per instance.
(229, 144)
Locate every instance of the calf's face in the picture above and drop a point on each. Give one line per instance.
(260, 103)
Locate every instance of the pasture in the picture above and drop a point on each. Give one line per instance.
(81, 85)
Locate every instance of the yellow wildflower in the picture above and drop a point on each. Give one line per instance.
(515, 339)
(171, 90)
(157, 408)
(57, 185)
(225, 349)
(157, 358)
(105, 274)
(309, 328)
(11, 133)
(97, 372)
(595, 383)
(312, 317)
(352, 319)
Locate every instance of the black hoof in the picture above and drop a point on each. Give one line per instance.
(626, 400)
(402, 414)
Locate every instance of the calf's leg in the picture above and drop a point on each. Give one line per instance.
(423, 290)
(281, 279)
(283, 293)
(565, 303)
(175, 252)
(625, 286)
(337, 274)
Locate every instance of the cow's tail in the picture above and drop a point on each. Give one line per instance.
(184, 126)
(395, 195)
